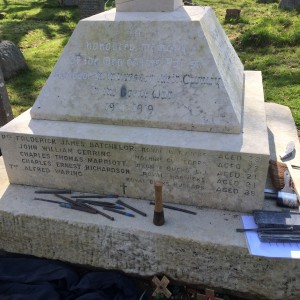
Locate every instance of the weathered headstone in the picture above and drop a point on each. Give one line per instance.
(12, 61)
(5, 108)
(89, 8)
(289, 4)
(142, 97)
(232, 13)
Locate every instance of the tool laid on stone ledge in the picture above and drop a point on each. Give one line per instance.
(78, 207)
(176, 208)
(276, 226)
(96, 196)
(47, 200)
(86, 205)
(81, 201)
(158, 217)
(88, 208)
(130, 207)
(53, 192)
(99, 203)
(121, 212)
(278, 219)
(268, 229)
(68, 200)
(68, 205)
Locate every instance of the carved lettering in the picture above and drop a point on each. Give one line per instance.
(137, 165)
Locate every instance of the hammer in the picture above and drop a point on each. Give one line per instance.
(158, 217)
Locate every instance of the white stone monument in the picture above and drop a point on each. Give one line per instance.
(146, 5)
(143, 96)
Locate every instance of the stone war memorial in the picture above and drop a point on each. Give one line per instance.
(138, 97)
(151, 91)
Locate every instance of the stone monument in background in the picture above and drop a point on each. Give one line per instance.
(89, 8)
(289, 4)
(12, 61)
(151, 90)
(6, 114)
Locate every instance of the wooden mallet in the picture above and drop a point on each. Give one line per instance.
(158, 217)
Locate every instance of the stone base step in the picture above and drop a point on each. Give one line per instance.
(203, 249)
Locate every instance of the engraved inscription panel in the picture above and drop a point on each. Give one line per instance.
(198, 177)
(137, 73)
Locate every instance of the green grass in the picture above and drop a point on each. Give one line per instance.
(266, 38)
(41, 29)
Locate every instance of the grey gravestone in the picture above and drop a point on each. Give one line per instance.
(289, 4)
(5, 109)
(89, 8)
(12, 60)
(233, 14)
